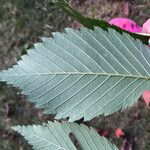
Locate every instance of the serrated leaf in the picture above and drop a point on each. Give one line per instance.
(83, 73)
(55, 136)
(91, 23)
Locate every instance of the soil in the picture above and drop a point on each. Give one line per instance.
(23, 23)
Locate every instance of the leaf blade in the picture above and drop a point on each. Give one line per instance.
(55, 135)
(83, 73)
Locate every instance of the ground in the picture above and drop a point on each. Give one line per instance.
(24, 22)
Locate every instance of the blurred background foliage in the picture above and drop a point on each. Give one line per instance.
(23, 22)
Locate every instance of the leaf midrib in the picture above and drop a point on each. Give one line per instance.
(84, 73)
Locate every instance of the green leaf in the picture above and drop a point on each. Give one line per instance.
(83, 73)
(55, 136)
(91, 23)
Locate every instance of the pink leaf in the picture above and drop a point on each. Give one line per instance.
(146, 97)
(126, 24)
(146, 27)
(119, 133)
(103, 132)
